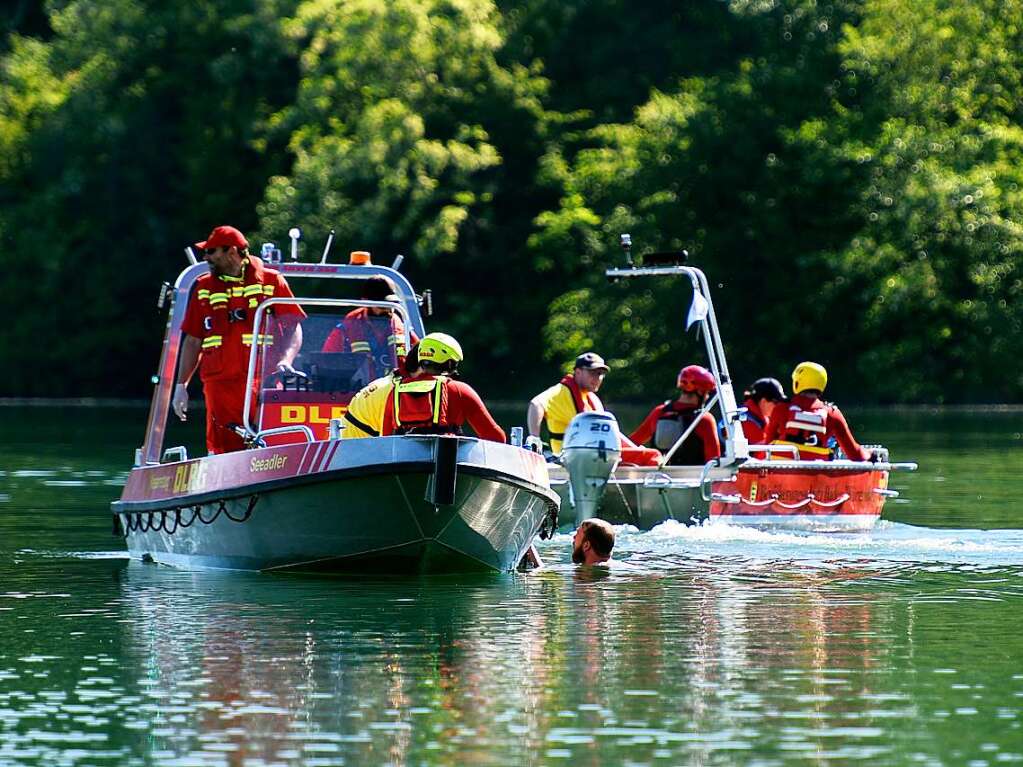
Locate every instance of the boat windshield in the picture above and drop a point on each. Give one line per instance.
(344, 345)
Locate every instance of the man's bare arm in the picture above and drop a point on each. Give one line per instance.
(534, 417)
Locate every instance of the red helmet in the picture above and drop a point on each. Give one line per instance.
(693, 378)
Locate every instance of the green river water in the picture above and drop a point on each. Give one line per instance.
(711, 646)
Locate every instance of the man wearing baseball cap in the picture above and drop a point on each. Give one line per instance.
(218, 329)
(573, 394)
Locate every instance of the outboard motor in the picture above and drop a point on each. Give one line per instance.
(591, 450)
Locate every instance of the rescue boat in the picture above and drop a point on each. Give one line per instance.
(302, 497)
(771, 488)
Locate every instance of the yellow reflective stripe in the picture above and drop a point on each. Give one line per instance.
(419, 387)
(253, 303)
(265, 339)
(203, 294)
(360, 346)
(269, 289)
(210, 341)
(236, 292)
(806, 448)
(229, 278)
(218, 298)
(252, 290)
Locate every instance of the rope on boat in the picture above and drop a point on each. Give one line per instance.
(550, 523)
(161, 521)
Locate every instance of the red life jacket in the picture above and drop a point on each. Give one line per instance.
(420, 406)
(228, 307)
(807, 429)
(580, 399)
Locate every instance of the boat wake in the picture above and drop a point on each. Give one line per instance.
(673, 544)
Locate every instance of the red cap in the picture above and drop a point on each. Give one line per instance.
(224, 237)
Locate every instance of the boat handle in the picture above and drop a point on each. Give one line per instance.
(725, 498)
(829, 504)
(793, 506)
(309, 436)
(739, 500)
(658, 480)
(886, 493)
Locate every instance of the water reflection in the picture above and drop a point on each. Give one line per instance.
(588, 665)
(710, 646)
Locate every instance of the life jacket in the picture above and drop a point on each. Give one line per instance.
(671, 424)
(753, 414)
(806, 429)
(421, 406)
(228, 304)
(580, 399)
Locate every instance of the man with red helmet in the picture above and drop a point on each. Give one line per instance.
(218, 336)
(667, 421)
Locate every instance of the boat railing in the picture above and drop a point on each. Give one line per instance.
(298, 427)
(736, 445)
(164, 378)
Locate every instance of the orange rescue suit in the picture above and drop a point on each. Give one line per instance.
(807, 423)
(220, 313)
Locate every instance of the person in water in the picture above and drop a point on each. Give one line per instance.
(808, 423)
(575, 393)
(432, 402)
(593, 542)
(669, 420)
(373, 330)
(761, 399)
(218, 333)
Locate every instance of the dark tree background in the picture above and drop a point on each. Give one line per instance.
(847, 173)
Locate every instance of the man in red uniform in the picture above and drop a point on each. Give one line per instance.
(761, 399)
(430, 402)
(373, 330)
(669, 420)
(808, 423)
(218, 329)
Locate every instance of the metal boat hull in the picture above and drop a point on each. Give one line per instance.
(644, 496)
(791, 495)
(362, 506)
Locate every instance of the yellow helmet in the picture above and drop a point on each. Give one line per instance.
(439, 348)
(809, 375)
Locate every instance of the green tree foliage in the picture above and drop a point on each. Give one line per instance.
(129, 134)
(711, 166)
(847, 173)
(939, 131)
(409, 136)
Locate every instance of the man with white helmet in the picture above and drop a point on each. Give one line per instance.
(808, 423)
(432, 402)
